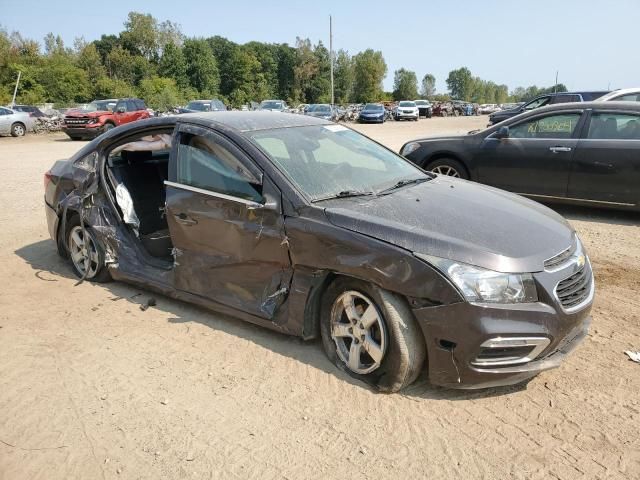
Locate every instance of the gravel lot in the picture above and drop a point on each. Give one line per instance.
(92, 387)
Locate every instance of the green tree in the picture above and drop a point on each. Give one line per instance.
(343, 77)
(173, 65)
(88, 59)
(459, 83)
(202, 69)
(160, 93)
(105, 45)
(305, 70)
(428, 86)
(405, 85)
(140, 35)
(369, 71)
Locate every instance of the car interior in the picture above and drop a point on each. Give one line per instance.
(137, 171)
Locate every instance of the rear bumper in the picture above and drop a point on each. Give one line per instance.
(52, 220)
(454, 335)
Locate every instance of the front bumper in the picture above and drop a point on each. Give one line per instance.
(84, 132)
(454, 335)
(379, 119)
(402, 116)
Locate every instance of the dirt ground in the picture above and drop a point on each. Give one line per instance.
(92, 387)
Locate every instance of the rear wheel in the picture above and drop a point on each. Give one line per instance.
(18, 130)
(85, 252)
(449, 167)
(371, 334)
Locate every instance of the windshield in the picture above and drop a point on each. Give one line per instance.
(268, 104)
(326, 160)
(199, 106)
(421, 102)
(100, 106)
(373, 107)
(407, 104)
(319, 108)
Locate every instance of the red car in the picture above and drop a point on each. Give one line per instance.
(102, 115)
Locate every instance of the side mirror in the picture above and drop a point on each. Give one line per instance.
(268, 203)
(120, 110)
(503, 132)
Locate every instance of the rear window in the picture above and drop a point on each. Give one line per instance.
(614, 126)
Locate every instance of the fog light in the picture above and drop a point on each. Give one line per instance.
(502, 351)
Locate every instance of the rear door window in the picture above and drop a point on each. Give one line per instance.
(630, 97)
(537, 103)
(614, 126)
(566, 99)
(207, 163)
(551, 126)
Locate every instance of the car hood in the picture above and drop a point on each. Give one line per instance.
(319, 114)
(80, 113)
(459, 220)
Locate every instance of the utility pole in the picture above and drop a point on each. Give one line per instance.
(331, 56)
(555, 87)
(15, 91)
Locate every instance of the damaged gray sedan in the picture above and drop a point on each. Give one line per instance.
(311, 229)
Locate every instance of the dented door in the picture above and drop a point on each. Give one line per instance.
(228, 247)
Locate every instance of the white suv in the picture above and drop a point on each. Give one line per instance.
(406, 110)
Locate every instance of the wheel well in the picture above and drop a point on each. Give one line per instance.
(441, 155)
(19, 123)
(60, 240)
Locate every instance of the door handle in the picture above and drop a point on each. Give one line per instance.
(560, 149)
(185, 219)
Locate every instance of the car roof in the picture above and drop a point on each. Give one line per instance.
(254, 120)
(589, 105)
(623, 91)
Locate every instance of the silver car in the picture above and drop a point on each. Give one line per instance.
(15, 123)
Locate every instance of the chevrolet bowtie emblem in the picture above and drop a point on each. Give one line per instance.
(581, 260)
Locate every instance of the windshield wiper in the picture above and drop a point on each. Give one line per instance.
(344, 194)
(402, 183)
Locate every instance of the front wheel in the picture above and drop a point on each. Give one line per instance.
(18, 130)
(449, 167)
(86, 252)
(371, 334)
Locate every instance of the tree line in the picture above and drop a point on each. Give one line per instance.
(157, 62)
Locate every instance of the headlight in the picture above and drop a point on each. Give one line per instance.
(479, 285)
(410, 147)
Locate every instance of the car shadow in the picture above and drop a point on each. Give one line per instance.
(47, 265)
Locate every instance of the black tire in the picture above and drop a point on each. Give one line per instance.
(75, 139)
(440, 165)
(405, 352)
(101, 274)
(107, 126)
(18, 130)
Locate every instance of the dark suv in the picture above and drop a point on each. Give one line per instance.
(543, 101)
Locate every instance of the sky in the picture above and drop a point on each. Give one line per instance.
(591, 43)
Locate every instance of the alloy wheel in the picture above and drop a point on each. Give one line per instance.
(19, 130)
(358, 330)
(446, 170)
(83, 252)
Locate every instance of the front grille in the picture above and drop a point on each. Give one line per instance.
(76, 121)
(557, 260)
(574, 290)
